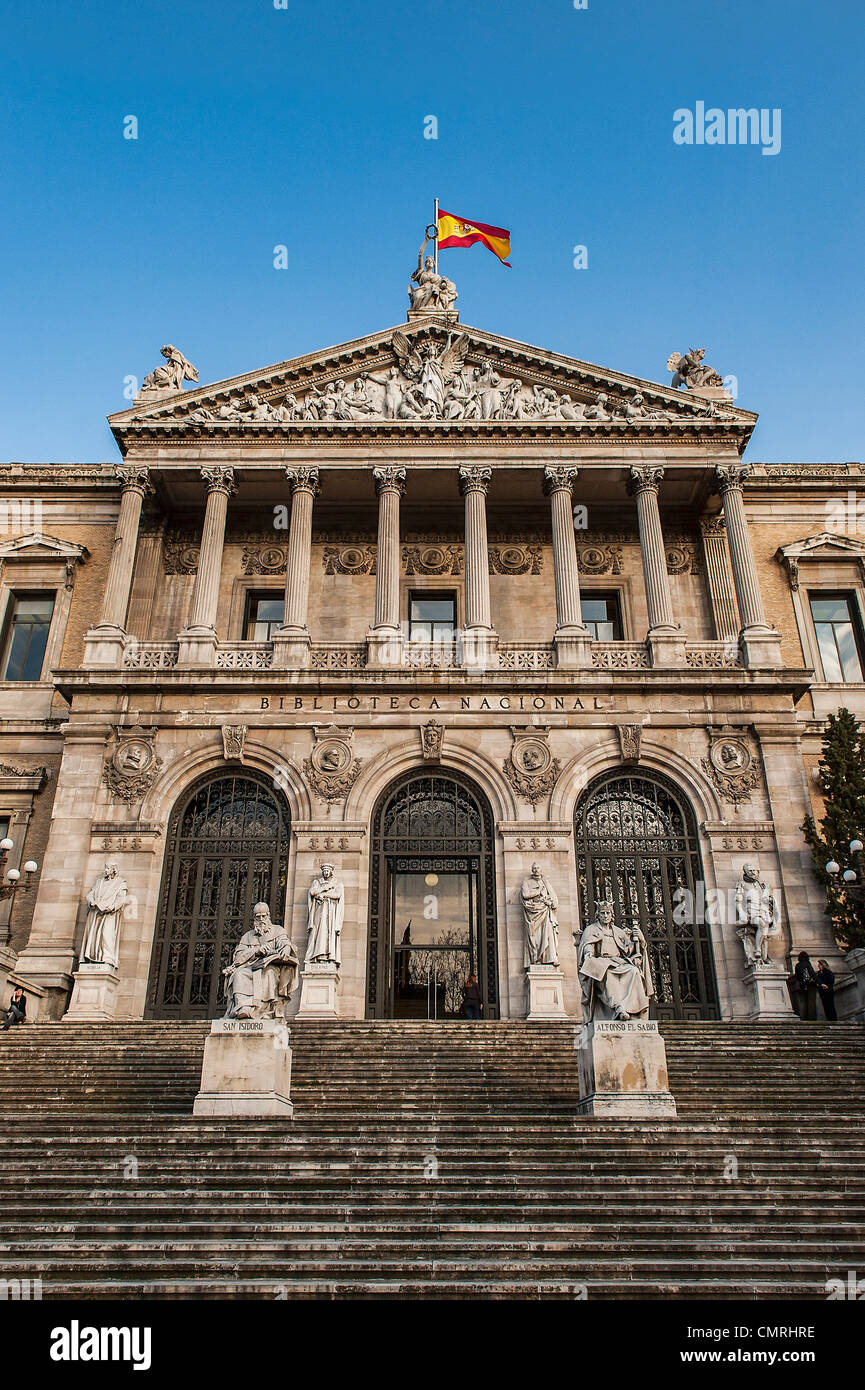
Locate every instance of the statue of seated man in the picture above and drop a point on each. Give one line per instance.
(263, 971)
(613, 963)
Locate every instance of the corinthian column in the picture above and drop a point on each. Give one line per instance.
(573, 640)
(291, 641)
(473, 484)
(384, 641)
(761, 644)
(197, 641)
(666, 643)
(103, 645)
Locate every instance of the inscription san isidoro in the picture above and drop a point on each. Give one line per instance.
(340, 704)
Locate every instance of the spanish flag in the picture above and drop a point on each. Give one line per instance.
(456, 231)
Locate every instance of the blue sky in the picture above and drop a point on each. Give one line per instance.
(304, 126)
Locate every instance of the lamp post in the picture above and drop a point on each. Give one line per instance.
(853, 879)
(13, 876)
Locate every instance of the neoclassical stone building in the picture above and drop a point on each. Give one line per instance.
(431, 606)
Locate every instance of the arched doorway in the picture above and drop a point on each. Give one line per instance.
(636, 844)
(432, 898)
(226, 849)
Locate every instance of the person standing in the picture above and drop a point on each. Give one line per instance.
(806, 979)
(826, 990)
(472, 1005)
(17, 1011)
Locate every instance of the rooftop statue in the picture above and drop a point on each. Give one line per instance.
(689, 371)
(427, 289)
(172, 376)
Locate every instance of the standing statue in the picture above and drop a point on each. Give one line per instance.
(326, 907)
(756, 916)
(689, 371)
(427, 289)
(540, 905)
(613, 964)
(172, 376)
(263, 970)
(104, 906)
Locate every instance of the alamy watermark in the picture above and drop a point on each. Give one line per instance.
(735, 126)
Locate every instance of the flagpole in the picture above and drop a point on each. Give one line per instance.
(436, 220)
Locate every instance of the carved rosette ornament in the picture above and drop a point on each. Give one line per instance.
(731, 765)
(332, 769)
(531, 768)
(132, 766)
(233, 738)
(431, 740)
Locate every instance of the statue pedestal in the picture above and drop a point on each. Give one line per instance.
(94, 994)
(623, 1071)
(246, 1069)
(768, 995)
(545, 999)
(318, 990)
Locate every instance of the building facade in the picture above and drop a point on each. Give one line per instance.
(431, 606)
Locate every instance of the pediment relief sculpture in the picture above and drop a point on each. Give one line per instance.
(425, 373)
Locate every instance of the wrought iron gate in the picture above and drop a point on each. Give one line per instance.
(435, 824)
(636, 845)
(226, 850)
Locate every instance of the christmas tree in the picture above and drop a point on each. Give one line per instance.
(842, 779)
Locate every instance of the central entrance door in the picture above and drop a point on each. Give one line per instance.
(432, 899)
(436, 950)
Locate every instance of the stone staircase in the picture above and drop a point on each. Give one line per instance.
(433, 1161)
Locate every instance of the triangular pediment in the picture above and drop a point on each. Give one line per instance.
(824, 546)
(37, 546)
(428, 375)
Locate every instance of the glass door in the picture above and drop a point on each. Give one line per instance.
(433, 905)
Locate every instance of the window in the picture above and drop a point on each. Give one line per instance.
(432, 618)
(836, 626)
(26, 637)
(4, 827)
(264, 612)
(602, 616)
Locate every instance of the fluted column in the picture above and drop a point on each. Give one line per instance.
(722, 595)
(291, 641)
(666, 643)
(385, 638)
(761, 645)
(572, 638)
(104, 643)
(473, 485)
(197, 642)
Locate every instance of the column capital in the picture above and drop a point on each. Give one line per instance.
(560, 479)
(730, 476)
(303, 480)
(474, 480)
(389, 480)
(134, 478)
(219, 479)
(715, 525)
(644, 477)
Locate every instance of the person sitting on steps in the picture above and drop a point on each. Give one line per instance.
(17, 1011)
